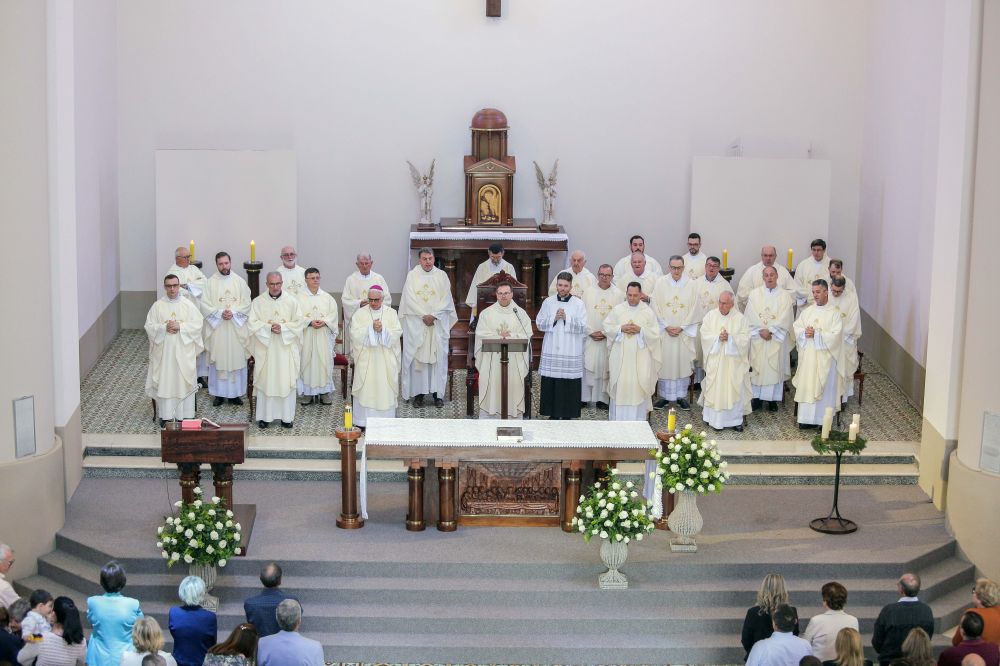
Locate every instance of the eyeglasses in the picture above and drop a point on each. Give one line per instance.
(288, 255)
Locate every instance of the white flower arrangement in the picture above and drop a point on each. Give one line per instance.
(209, 547)
(613, 510)
(703, 470)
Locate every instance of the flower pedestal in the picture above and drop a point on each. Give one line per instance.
(613, 554)
(686, 522)
(208, 573)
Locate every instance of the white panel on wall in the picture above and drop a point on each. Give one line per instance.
(223, 199)
(743, 203)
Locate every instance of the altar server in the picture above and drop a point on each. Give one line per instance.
(675, 303)
(638, 271)
(173, 326)
(770, 313)
(694, 259)
(633, 334)
(486, 270)
(226, 307)
(427, 313)
(637, 244)
(754, 276)
(725, 391)
(709, 287)
(598, 301)
(503, 319)
(583, 279)
(321, 323)
(375, 332)
(276, 325)
(814, 267)
(563, 319)
(355, 294)
(819, 336)
(293, 276)
(846, 302)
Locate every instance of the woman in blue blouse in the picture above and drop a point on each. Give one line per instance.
(194, 628)
(111, 615)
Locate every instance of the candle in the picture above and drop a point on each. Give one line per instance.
(671, 420)
(253, 251)
(857, 420)
(725, 259)
(789, 258)
(852, 433)
(348, 417)
(191, 247)
(827, 424)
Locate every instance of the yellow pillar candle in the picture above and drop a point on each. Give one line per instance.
(348, 417)
(789, 258)
(857, 420)
(852, 433)
(827, 424)
(253, 251)
(671, 420)
(191, 248)
(725, 259)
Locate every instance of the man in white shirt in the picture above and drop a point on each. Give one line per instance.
(293, 276)
(7, 593)
(637, 244)
(694, 259)
(783, 648)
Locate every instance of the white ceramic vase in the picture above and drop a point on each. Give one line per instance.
(685, 522)
(613, 554)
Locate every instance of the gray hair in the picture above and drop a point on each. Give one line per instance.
(288, 614)
(270, 273)
(675, 257)
(425, 250)
(19, 609)
(5, 550)
(368, 255)
(191, 590)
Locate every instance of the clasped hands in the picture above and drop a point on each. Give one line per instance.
(673, 331)
(810, 331)
(377, 325)
(173, 326)
(429, 320)
(631, 329)
(317, 323)
(724, 335)
(560, 314)
(276, 328)
(765, 334)
(227, 314)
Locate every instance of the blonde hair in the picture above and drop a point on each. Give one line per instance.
(146, 635)
(988, 592)
(918, 649)
(772, 593)
(849, 649)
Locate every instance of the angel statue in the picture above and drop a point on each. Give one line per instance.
(548, 187)
(425, 190)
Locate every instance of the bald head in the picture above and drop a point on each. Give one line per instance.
(973, 659)
(909, 584)
(725, 302)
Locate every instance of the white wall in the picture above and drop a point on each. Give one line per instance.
(624, 93)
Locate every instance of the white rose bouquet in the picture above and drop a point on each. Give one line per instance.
(202, 532)
(614, 510)
(689, 462)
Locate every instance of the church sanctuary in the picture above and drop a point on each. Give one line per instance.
(499, 332)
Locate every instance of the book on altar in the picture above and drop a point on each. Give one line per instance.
(510, 434)
(198, 424)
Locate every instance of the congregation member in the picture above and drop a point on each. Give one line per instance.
(276, 336)
(782, 646)
(225, 306)
(709, 287)
(919, 651)
(63, 644)
(427, 313)
(638, 244)
(971, 630)
(174, 328)
(836, 269)
(895, 620)
(484, 271)
(725, 341)
(819, 338)
(259, 609)
(503, 319)
(563, 319)
(847, 649)
(633, 334)
(239, 648)
(675, 303)
(814, 267)
(846, 303)
(823, 630)
(374, 333)
(583, 279)
(288, 647)
(39, 619)
(293, 276)
(112, 616)
(770, 314)
(10, 636)
(321, 321)
(757, 625)
(192, 280)
(193, 628)
(754, 277)
(7, 593)
(355, 293)
(985, 600)
(147, 639)
(639, 272)
(598, 302)
(694, 258)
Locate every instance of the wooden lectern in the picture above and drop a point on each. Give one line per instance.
(504, 346)
(221, 448)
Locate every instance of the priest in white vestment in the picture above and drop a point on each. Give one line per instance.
(846, 303)
(754, 277)
(293, 276)
(355, 294)
(709, 287)
(770, 313)
(503, 319)
(321, 321)
(836, 269)
(427, 312)
(638, 271)
(226, 307)
(276, 325)
(725, 391)
(173, 326)
(598, 301)
(583, 279)
(814, 267)
(675, 302)
(563, 319)
(192, 286)
(486, 270)
(633, 334)
(819, 336)
(375, 332)
(694, 258)
(636, 244)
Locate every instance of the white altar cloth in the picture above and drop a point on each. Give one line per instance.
(488, 235)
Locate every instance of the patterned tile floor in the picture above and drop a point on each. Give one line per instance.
(113, 401)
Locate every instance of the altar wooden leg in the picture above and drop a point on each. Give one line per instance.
(543, 275)
(528, 278)
(190, 474)
(446, 491)
(349, 518)
(223, 478)
(449, 268)
(415, 514)
(571, 493)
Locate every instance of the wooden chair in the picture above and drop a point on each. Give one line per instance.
(340, 360)
(859, 377)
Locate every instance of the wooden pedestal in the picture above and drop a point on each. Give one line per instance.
(349, 518)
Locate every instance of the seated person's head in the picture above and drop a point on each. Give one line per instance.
(784, 618)
(973, 659)
(810, 660)
(146, 635)
(153, 660)
(113, 577)
(288, 614)
(972, 625)
(17, 611)
(834, 596)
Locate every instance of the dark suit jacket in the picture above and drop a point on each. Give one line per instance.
(895, 622)
(194, 629)
(260, 610)
(10, 645)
